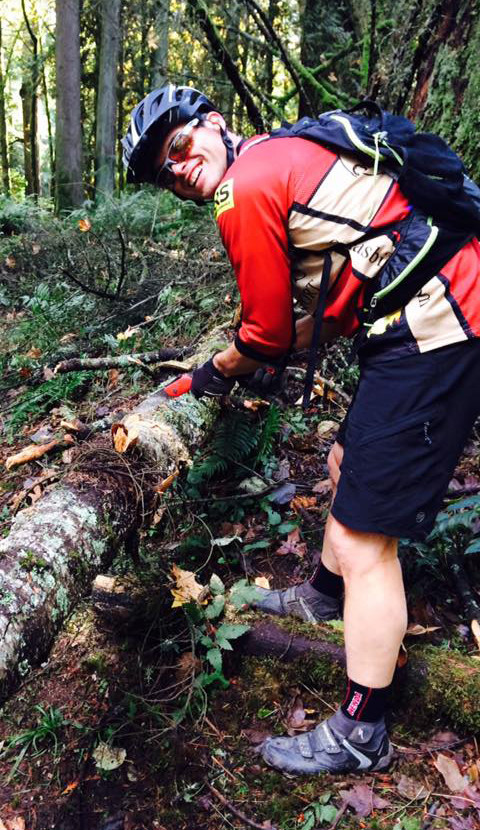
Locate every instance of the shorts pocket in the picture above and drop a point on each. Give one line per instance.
(397, 457)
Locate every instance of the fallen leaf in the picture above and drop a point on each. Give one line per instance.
(127, 334)
(255, 405)
(450, 772)
(256, 736)
(441, 739)
(187, 588)
(67, 456)
(411, 788)
(325, 428)
(25, 372)
(30, 453)
(475, 626)
(363, 800)
(187, 666)
(35, 494)
(108, 757)
(323, 486)
(34, 353)
(292, 545)
(10, 262)
(70, 787)
(36, 248)
(84, 225)
(417, 630)
(166, 483)
(461, 823)
(303, 502)
(283, 494)
(468, 799)
(68, 337)
(72, 426)
(48, 373)
(113, 376)
(262, 582)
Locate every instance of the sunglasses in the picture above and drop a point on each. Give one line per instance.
(177, 151)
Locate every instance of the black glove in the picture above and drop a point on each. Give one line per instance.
(207, 380)
(266, 380)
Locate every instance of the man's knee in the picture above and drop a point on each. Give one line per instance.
(357, 552)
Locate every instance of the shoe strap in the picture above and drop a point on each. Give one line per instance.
(321, 739)
(292, 602)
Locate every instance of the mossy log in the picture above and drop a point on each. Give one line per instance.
(435, 685)
(56, 547)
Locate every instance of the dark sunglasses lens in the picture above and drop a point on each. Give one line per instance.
(180, 146)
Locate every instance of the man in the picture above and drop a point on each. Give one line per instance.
(287, 209)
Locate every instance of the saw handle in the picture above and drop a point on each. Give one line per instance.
(178, 387)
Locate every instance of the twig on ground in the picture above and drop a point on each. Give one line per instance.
(236, 812)
(167, 358)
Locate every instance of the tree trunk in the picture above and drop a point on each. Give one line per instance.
(107, 98)
(4, 162)
(29, 95)
(69, 155)
(160, 52)
(55, 548)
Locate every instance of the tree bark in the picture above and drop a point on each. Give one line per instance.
(4, 162)
(69, 154)
(107, 98)
(160, 52)
(28, 93)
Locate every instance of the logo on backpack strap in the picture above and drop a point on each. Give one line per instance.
(223, 199)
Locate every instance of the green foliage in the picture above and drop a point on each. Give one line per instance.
(234, 439)
(270, 429)
(38, 738)
(318, 812)
(34, 402)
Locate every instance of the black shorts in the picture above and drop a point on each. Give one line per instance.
(402, 436)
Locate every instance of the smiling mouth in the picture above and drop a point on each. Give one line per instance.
(196, 174)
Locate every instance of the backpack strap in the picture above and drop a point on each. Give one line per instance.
(322, 302)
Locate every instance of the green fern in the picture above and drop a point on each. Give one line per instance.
(234, 440)
(271, 428)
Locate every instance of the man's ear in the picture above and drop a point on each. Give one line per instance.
(215, 119)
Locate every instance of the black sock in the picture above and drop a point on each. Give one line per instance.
(365, 703)
(327, 582)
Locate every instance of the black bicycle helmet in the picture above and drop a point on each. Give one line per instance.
(153, 118)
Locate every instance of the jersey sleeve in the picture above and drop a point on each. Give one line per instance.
(252, 211)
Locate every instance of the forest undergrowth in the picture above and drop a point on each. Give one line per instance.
(149, 719)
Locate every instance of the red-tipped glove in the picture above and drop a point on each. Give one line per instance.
(266, 380)
(208, 380)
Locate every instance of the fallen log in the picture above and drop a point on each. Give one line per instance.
(434, 686)
(56, 547)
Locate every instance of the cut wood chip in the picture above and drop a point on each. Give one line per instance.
(124, 438)
(417, 630)
(166, 483)
(30, 453)
(475, 626)
(262, 582)
(450, 772)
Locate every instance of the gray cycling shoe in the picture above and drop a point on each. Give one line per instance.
(301, 601)
(337, 745)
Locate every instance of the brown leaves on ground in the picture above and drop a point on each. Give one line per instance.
(187, 588)
(16, 823)
(363, 800)
(292, 544)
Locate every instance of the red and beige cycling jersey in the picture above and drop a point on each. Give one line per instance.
(285, 202)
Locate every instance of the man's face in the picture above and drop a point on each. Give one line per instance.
(199, 174)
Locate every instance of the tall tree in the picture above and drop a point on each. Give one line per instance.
(107, 97)
(69, 156)
(29, 96)
(3, 126)
(160, 52)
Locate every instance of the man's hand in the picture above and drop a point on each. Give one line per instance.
(208, 380)
(266, 380)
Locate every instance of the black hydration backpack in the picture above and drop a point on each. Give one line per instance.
(445, 202)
